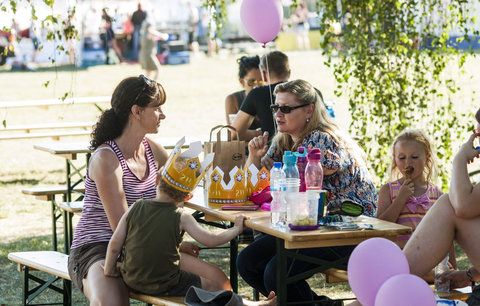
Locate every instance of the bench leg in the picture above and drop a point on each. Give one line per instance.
(54, 227)
(30, 294)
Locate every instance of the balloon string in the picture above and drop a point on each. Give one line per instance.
(270, 90)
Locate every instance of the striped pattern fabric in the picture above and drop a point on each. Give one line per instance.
(407, 217)
(93, 225)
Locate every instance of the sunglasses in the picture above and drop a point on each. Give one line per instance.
(253, 82)
(285, 109)
(147, 82)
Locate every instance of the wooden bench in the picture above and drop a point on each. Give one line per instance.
(55, 264)
(56, 135)
(49, 193)
(28, 128)
(45, 103)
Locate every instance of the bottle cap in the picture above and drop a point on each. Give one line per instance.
(301, 154)
(277, 165)
(289, 158)
(314, 154)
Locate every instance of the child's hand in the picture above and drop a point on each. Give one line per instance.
(114, 272)
(239, 223)
(407, 189)
(467, 150)
(189, 248)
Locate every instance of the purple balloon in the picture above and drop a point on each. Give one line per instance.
(262, 19)
(373, 262)
(405, 290)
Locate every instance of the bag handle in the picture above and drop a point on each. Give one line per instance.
(229, 132)
(214, 129)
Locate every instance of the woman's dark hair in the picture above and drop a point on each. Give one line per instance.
(477, 115)
(247, 63)
(131, 91)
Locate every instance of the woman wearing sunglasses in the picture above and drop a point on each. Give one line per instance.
(302, 120)
(249, 77)
(123, 168)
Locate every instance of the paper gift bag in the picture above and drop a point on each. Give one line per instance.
(229, 153)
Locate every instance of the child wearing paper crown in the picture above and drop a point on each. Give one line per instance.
(150, 232)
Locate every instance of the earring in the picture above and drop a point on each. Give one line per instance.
(308, 120)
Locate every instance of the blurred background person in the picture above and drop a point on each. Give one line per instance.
(148, 52)
(138, 17)
(249, 77)
(108, 38)
(299, 21)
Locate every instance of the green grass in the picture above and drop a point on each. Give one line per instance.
(195, 103)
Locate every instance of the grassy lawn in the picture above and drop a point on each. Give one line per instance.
(195, 104)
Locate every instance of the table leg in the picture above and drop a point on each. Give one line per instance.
(69, 182)
(54, 226)
(281, 273)
(233, 264)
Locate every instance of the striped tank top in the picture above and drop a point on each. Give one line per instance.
(93, 225)
(415, 207)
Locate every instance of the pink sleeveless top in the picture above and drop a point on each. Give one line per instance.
(93, 225)
(415, 207)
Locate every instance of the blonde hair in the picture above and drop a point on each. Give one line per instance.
(320, 120)
(418, 136)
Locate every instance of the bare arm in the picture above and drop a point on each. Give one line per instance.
(231, 107)
(105, 170)
(115, 248)
(463, 195)
(241, 124)
(390, 210)
(207, 238)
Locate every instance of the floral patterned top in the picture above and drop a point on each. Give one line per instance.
(351, 182)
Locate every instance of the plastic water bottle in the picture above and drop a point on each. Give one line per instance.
(314, 175)
(277, 207)
(301, 155)
(442, 285)
(290, 165)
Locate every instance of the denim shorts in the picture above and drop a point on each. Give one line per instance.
(82, 258)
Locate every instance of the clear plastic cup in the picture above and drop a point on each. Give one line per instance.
(300, 210)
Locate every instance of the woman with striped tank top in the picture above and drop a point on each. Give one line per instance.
(123, 168)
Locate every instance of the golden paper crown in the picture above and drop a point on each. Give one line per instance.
(233, 193)
(183, 171)
(257, 180)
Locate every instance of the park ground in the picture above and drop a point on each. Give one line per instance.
(195, 103)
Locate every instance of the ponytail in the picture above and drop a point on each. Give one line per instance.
(108, 127)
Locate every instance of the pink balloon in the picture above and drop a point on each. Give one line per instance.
(262, 19)
(405, 290)
(373, 262)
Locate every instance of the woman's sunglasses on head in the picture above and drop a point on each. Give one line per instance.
(285, 109)
(147, 82)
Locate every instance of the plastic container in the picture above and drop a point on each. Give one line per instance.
(298, 209)
(301, 155)
(277, 206)
(314, 177)
(290, 165)
(442, 267)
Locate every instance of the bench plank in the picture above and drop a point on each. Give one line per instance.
(73, 207)
(54, 102)
(52, 125)
(48, 192)
(54, 135)
(55, 263)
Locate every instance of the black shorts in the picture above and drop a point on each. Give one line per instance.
(82, 258)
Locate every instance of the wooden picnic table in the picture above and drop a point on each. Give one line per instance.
(288, 241)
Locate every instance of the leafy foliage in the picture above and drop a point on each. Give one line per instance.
(390, 57)
(392, 62)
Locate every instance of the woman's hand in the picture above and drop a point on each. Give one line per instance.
(189, 248)
(467, 150)
(258, 146)
(458, 279)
